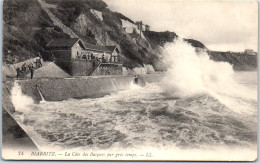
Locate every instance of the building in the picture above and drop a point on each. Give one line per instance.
(100, 53)
(139, 25)
(114, 53)
(128, 26)
(82, 59)
(66, 49)
(147, 28)
(142, 26)
(249, 52)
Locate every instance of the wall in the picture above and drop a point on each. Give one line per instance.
(128, 71)
(64, 64)
(147, 69)
(62, 89)
(109, 69)
(76, 51)
(140, 70)
(82, 67)
(77, 67)
(59, 53)
(80, 87)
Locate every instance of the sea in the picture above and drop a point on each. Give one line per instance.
(209, 107)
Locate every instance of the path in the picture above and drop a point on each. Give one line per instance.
(56, 21)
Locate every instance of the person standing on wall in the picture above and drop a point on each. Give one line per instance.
(24, 68)
(18, 71)
(31, 70)
(39, 61)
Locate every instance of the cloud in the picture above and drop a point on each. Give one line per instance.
(232, 25)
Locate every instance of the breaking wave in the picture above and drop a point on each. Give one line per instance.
(192, 73)
(20, 101)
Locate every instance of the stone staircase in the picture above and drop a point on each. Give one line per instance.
(94, 70)
(56, 21)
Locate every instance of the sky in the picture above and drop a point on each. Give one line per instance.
(219, 25)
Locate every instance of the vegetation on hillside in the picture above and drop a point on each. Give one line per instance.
(27, 29)
(195, 43)
(160, 38)
(240, 61)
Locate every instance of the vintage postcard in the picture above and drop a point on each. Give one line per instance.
(129, 80)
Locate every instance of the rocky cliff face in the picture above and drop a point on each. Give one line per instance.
(239, 61)
(88, 30)
(28, 27)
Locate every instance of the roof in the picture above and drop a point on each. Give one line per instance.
(62, 42)
(71, 41)
(95, 47)
(110, 48)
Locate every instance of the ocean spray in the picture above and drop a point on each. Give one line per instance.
(192, 73)
(20, 101)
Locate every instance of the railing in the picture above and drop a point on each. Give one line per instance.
(111, 64)
(95, 69)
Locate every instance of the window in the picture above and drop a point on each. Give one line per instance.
(78, 55)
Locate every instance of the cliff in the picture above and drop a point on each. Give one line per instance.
(30, 24)
(239, 61)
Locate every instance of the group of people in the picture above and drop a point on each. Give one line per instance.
(103, 59)
(25, 69)
(28, 68)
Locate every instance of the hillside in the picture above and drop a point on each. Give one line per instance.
(160, 38)
(240, 61)
(28, 28)
(78, 16)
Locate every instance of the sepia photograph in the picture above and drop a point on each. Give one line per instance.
(129, 80)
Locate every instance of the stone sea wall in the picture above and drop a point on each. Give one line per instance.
(57, 89)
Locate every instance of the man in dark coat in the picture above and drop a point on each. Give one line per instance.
(31, 69)
(24, 68)
(18, 71)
